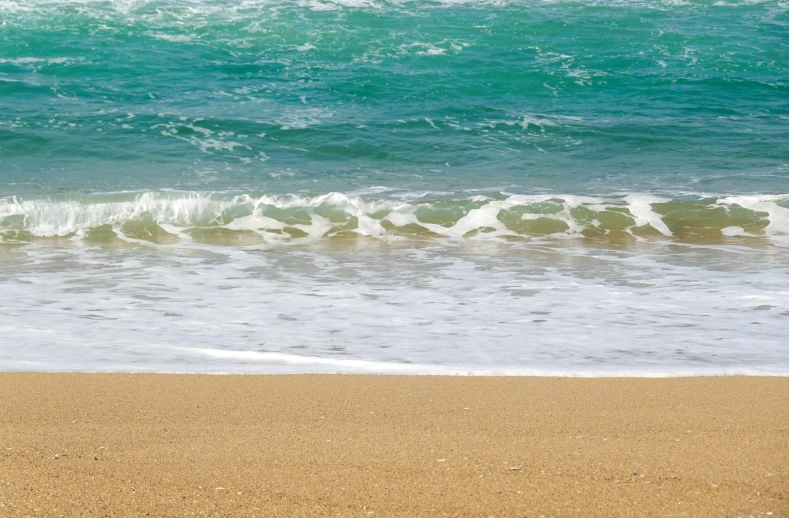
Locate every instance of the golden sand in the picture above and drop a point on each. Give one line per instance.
(186, 445)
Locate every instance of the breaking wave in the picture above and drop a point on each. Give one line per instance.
(170, 217)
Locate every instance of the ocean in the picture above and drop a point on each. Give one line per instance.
(568, 187)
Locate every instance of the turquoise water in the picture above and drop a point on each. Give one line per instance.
(590, 97)
(573, 187)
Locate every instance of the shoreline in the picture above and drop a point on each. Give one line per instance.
(412, 370)
(257, 445)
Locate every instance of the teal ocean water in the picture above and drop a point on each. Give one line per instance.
(575, 187)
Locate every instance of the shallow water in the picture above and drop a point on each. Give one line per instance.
(371, 307)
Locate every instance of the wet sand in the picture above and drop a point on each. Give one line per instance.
(185, 445)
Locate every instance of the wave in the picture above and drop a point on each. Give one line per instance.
(169, 217)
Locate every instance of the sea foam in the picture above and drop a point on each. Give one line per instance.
(497, 217)
(563, 309)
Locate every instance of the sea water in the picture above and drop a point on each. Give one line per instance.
(592, 187)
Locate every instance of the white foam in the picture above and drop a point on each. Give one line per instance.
(481, 218)
(279, 362)
(175, 38)
(564, 310)
(176, 231)
(180, 211)
(45, 217)
(429, 49)
(39, 61)
(640, 206)
(735, 231)
(332, 364)
(331, 5)
(300, 118)
(778, 226)
(401, 219)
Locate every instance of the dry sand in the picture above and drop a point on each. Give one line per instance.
(163, 445)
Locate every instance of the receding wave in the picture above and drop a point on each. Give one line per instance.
(168, 217)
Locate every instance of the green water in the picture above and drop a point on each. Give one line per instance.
(451, 98)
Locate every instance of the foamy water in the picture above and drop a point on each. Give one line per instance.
(653, 309)
(184, 216)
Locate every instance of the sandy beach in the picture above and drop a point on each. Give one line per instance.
(185, 445)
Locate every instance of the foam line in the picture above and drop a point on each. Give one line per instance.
(324, 216)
